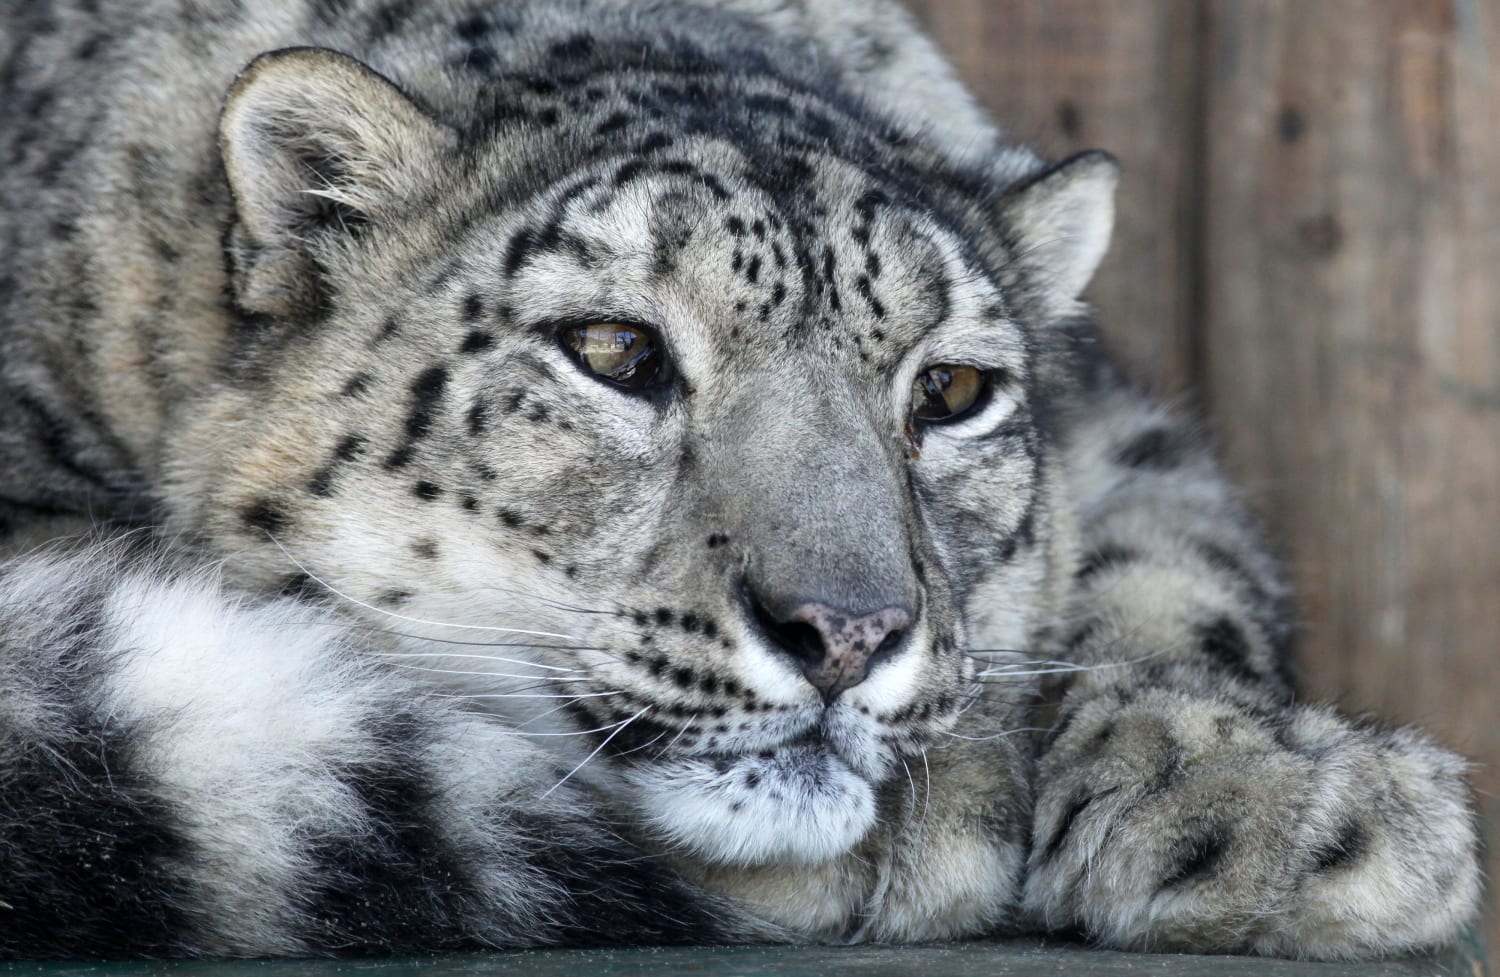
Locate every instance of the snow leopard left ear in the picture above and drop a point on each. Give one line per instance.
(1061, 218)
(315, 145)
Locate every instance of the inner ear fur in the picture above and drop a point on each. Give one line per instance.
(315, 145)
(1061, 219)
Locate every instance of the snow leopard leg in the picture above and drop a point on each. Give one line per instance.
(185, 771)
(1185, 801)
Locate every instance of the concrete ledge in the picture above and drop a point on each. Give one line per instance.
(1020, 958)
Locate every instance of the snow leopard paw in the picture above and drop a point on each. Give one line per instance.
(1175, 821)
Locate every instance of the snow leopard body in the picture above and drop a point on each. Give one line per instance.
(344, 609)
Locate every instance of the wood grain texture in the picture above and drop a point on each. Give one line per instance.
(1310, 239)
(1352, 336)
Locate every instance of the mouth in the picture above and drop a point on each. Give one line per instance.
(646, 735)
(794, 788)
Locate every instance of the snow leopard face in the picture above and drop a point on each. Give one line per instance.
(687, 456)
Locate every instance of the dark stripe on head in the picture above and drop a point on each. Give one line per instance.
(862, 285)
(351, 446)
(477, 342)
(427, 394)
(518, 252)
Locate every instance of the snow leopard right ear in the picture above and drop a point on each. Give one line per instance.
(315, 145)
(1060, 220)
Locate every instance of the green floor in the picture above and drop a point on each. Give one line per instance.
(1030, 958)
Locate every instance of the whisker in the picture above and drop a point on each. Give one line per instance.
(529, 695)
(518, 727)
(479, 571)
(487, 658)
(980, 652)
(597, 749)
(998, 673)
(673, 742)
(404, 617)
(549, 601)
(996, 736)
(1020, 662)
(1016, 670)
(460, 671)
(581, 732)
(586, 665)
(927, 797)
(910, 780)
(529, 687)
(975, 693)
(637, 749)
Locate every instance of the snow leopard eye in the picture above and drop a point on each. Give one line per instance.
(946, 392)
(619, 353)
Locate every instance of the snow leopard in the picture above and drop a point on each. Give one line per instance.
(504, 473)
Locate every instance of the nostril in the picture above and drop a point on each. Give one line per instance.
(889, 644)
(803, 641)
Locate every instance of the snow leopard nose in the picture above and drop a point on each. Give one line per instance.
(834, 648)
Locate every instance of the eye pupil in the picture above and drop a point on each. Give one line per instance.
(625, 355)
(946, 392)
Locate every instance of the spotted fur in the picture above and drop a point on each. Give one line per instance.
(383, 625)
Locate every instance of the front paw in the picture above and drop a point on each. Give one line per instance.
(1174, 821)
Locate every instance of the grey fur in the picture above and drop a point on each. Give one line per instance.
(297, 324)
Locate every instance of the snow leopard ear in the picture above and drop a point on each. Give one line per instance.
(315, 145)
(1061, 219)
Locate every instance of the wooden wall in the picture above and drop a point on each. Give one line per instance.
(1308, 249)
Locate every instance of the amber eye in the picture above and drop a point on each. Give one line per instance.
(629, 356)
(946, 392)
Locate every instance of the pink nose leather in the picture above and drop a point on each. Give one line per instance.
(849, 643)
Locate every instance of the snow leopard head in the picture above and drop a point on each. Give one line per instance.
(693, 422)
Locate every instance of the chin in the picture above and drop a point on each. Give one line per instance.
(799, 804)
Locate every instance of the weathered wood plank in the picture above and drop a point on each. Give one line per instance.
(1117, 74)
(1352, 336)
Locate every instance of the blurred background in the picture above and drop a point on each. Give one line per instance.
(1308, 253)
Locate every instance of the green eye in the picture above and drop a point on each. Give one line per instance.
(947, 392)
(625, 355)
